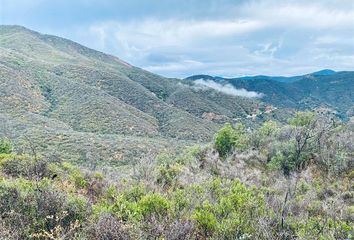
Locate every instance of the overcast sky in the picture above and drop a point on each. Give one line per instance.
(178, 38)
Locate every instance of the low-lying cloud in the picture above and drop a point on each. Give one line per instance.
(228, 89)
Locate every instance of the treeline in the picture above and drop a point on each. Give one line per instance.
(290, 181)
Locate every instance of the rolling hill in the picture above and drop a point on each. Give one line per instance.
(324, 91)
(65, 100)
(74, 101)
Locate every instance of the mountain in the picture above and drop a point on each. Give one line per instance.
(323, 72)
(325, 91)
(65, 100)
(85, 105)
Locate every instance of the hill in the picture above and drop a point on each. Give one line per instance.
(54, 89)
(273, 182)
(324, 91)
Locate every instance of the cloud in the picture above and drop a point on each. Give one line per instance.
(252, 37)
(300, 14)
(218, 37)
(150, 33)
(228, 89)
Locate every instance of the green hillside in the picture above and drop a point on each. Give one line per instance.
(52, 86)
(325, 91)
(273, 182)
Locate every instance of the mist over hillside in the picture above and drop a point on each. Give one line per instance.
(323, 91)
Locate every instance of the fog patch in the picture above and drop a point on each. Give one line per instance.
(226, 89)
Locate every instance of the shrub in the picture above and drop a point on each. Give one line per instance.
(5, 146)
(36, 207)
(109, 227)
(25, 166)
(154, 204)
(302, 119)
(168, 174)
(268, 129)
(206, 220)
(224, 140)
(240, 139)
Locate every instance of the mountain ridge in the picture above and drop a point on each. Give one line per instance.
(57, 94)
(320, 90)
(54, 87)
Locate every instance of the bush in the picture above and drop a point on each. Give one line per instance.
(25, 166)
(5, 146)
(109, 227)
(228, 138)
(168, 174)
(35, 208)
(268, 129)
(302, 119)
(224, 141)
(206, 220)
(154, 204)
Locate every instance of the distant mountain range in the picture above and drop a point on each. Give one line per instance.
(324, 72)
(83, 105)
(325, 90)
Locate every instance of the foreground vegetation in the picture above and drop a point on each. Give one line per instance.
(276, 182)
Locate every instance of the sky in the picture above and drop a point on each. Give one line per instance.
(179, 38)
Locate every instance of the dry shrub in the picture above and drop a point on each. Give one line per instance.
(109, 227)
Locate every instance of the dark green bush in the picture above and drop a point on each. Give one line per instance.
(5, 146)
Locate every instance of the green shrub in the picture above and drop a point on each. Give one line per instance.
(154, 204)
(302, 119)
(224, 140)
(25, 166)
(268, 129)
(240, 139)
(168, 173)
(206, 220)
(5, 146)
(232, 212)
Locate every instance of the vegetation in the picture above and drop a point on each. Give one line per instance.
(5, 146)
(59, 94)
(94, 148)
(285, 182)
(229, 138)
(325, 93)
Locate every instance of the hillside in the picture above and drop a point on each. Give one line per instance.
(326, 90)
(256, 184)
(53, 88)
(92, 147)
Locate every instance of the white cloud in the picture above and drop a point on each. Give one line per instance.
(228, 89)
(299, 15)
(256, 37)
(155, 32)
